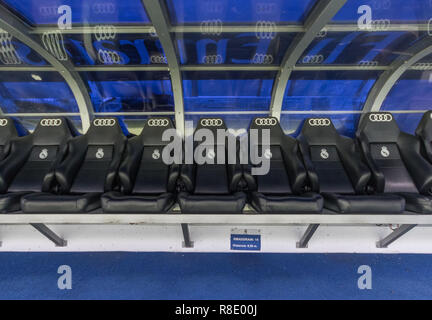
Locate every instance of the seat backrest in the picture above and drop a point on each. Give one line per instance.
(286, 174)
(94, 158)
(9, 129)
(334, 162)
(212, 178)
(143, 169)
(424, 132)
(388, 151)
(36, 155)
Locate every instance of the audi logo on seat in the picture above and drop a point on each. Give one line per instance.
(3, 122)
(319, 122)
(211, 122)
(380, 117)
(157, 122)
(104, 122)
(50, 122)
(265, 121)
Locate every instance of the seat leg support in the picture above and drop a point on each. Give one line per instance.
(47, 232)
(392, 237)
(303, 243)
(187, 243)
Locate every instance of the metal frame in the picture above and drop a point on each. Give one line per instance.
(321, 14)
(158, 16)
(20, 31)
(47, 232)
(388, 79)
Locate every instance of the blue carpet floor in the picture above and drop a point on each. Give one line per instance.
(120, 275)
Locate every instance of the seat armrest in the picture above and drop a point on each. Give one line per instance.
(310, 168)
(130, 164)
(187, 176)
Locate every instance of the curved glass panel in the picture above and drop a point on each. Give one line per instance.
(388, 11)
(15, 53)
(53, 12)
(35, 92)
(130, 91)
(232, 48)
(408, 122)
(328, 90)
(237, 11)
(359, 48)
(413, 91)
(97, 48)
(227, 91)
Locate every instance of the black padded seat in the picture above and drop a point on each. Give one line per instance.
(395, 160)
(336, 170)
(148, 185)
(424, 133)
(88, 170)
(211, 187)
(30, 165)
(283, 188)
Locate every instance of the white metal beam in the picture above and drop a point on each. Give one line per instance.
(321, 14)
(158, 16)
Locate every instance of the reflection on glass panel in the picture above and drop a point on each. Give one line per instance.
(99, 49)
(237, 123)
(35, 92)
(408, 122)
(15, 53)
(346, 124)
(413, 91)
(31, 122)
(130, 91)
(328, 90)
(227, 91)
(232, 48)
(63, 12)
(359, 48)
(382, 12)
(237, 11)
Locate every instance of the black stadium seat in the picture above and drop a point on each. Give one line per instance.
(336, 170)
(88, 170)
(30, 166)
(148, 185)
(282, 189)
(9, 129)
(395, 160)
(211, 188)
(424, 132)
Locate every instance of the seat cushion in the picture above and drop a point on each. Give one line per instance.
(417, 202)
(307, 203)
(383, 203)
(119, 203)
(204, 204)
(52, 203)
(11, 201)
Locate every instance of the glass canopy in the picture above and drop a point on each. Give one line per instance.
(193, 58)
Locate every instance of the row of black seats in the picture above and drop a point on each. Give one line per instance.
(56, 170)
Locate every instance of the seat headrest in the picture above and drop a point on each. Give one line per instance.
(271, 123)
(8, 129)
(424, 128)
(319, 131)
(105, 130)
(212, 124)
(53, 131)
(378, 127)
(153, 130)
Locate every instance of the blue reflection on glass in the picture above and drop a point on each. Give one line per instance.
(35, 92)
(227, 91)
(408, 122)
(393, 10)
(130, 91)
(235, 11)
(328, 90)
(39, 12)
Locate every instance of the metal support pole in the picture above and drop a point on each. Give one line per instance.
(47, 232)
(303, 243)
(187, 243)
(392, 237)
